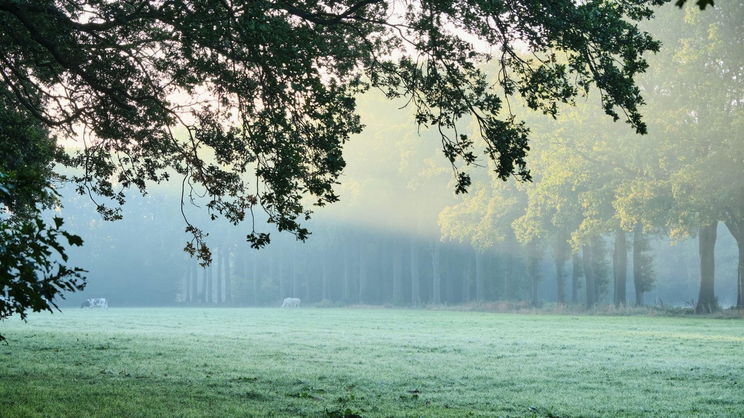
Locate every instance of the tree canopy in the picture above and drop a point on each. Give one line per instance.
(250, 103)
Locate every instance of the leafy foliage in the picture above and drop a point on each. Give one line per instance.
(32, 251)
(250, 103)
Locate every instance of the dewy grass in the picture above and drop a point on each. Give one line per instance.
(340, 362)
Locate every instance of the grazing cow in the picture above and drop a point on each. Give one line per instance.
(95, 303)
(291, 303)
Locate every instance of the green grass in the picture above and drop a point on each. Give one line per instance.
(321, 362)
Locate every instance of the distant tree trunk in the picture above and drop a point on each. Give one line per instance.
(533, 271)
(280, 278)
(478, 276)
(707, 244)
(436, 278)
(254, 281)
(201, 278)
(220, 276)
(324, 280)
(736, 227)
(362, 284)
(397, 274)
(507, 270)
(560, 274)
(620, 268)
(560, 251)
(598, 255)
(227, 284)
(637, 264)
(194, 284)
(575, 275)
(466, 283)
(415, 279)
(302, 273)
(294, 284)
(187, 288)
(210, 285)
(347, 279)
(586, 256)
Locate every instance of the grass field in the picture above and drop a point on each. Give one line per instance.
(331, 362)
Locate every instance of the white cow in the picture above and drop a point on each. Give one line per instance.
(95, 303)
(291, 303)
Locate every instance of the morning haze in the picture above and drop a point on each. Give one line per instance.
(555, 231)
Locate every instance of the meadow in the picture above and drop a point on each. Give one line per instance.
(367, 362)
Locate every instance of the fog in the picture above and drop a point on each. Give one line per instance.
(605, 208)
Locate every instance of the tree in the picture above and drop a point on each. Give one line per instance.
(702, 149)
(33, 258)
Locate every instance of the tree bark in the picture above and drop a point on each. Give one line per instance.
(620, 268)
(586, 258)
(736, 227)
(707, 243)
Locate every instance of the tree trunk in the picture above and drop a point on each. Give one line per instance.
(227, 284)
(210, 285)
(415, 296)
(637, 273)
(194, 283)
(294, 283)
(362, 275)
(707, 243)
(508, 272)
(347, 279)
(620, 268)
(220, 276)
(575, 274)
(188, 295)
(533, 271)
(324, 280)
(478, 276)
(736, 227)
(254, 282)
(436, 277)
(466, 285)
(597, 261)
(586, 258)
(560, 274)
(397, 274)
(280, 278)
